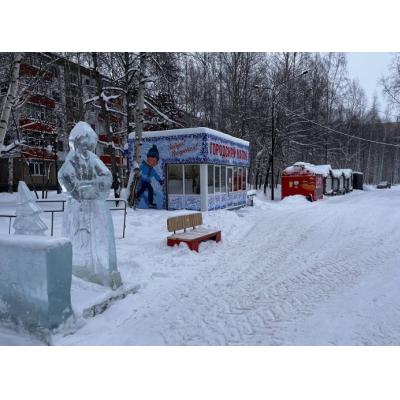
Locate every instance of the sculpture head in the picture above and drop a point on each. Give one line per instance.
(82, 139)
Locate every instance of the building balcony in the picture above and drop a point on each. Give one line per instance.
(37, 153)
(116, 139)
(107, 160)
(42, 100)
(112, 118)
(35, 125)
(31, 71)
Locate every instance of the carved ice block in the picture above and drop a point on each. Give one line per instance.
(35, 280)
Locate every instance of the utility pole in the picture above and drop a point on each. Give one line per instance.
(273, 145)
(326, 150)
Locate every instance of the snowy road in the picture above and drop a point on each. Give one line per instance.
(286, 273)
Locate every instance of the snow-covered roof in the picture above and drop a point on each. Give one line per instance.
(307, 167)
(191, 131)
(323, 170)
(347, 172)
(343, 171)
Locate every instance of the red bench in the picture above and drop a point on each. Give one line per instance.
(192, 237)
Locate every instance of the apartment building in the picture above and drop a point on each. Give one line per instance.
(54, 94)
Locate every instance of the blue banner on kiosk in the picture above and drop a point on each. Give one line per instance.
(182, 146)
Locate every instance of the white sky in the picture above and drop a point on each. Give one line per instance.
(368, 68)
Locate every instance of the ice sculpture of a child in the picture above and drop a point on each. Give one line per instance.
(87, 219)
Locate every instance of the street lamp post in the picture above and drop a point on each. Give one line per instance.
(273, 126)
(55, 148)
(43, 164)
(273, 132)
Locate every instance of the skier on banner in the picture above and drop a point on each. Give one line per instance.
(147, 171)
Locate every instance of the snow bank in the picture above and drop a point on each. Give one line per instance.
(296, 199)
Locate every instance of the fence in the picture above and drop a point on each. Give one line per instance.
(116, 208)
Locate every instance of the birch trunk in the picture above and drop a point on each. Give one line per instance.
(134, 173)
(10, 98)
(139, 115)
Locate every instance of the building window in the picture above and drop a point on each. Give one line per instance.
(74, 103)
(210, 179)
(36, 168)
(175, 179)
(56, 95)
(192, 179)
(3, 88)
(223, 179)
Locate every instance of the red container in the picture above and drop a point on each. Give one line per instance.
(304, 183)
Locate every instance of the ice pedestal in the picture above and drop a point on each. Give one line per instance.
(35, 280)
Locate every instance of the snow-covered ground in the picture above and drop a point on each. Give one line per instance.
(287, 272)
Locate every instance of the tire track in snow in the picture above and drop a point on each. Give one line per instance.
(262, 301)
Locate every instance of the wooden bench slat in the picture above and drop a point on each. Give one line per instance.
(193, 234)
(184, 222)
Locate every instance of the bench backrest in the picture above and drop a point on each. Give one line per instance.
(184, 221)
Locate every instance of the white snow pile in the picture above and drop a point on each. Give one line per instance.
(286, 272)
(303, 167)
(324, 170)
(296, 199)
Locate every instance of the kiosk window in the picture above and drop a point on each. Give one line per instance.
(235, 179)
(210, 179)
(230, 179)
(192, 179)
(175, 179)
(244, 178)
(223, 179)
(217, 175)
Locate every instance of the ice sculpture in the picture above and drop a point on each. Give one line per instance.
(28, 221)
(87, 219)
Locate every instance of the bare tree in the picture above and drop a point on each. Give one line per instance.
(10, 97)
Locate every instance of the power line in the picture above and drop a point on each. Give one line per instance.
(339, 132)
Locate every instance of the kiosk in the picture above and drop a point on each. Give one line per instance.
(192, 168)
